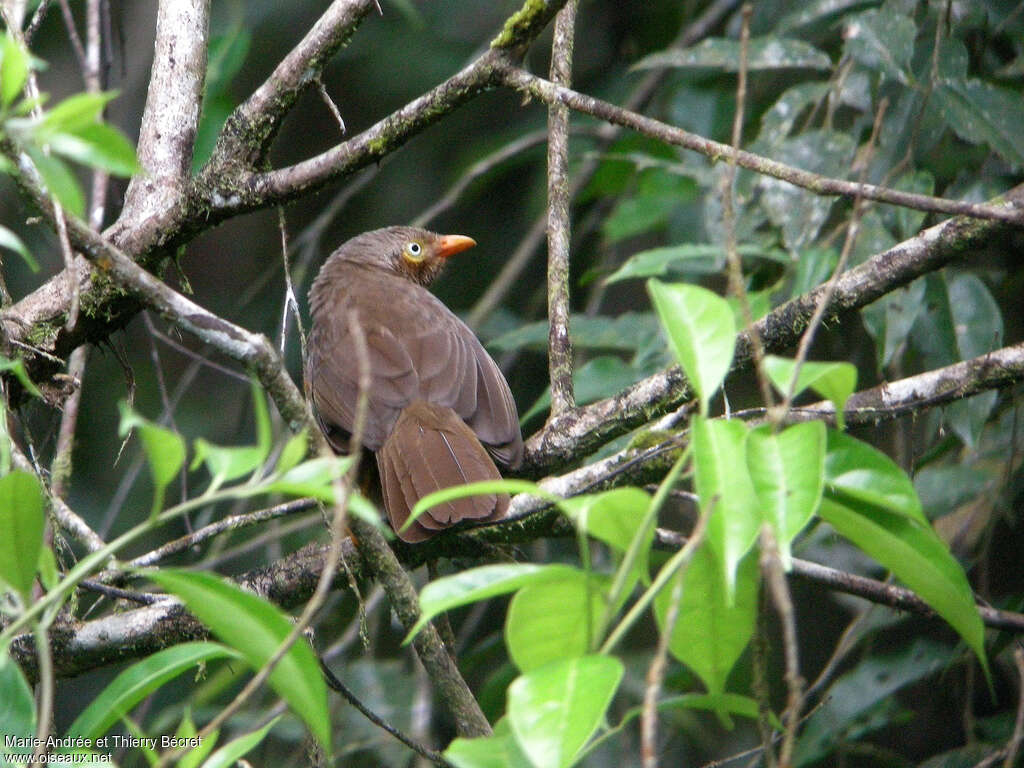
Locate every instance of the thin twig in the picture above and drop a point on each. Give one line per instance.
(44, 707)
(1013, 747)
(60, 468)
(334, 553)
(73, 36)
(775, 578)
(291, 304)
(826, 296)
(736, 284)
(549, 93)
(37, 20)
(349, 696)
(656, 671)
(326, 98)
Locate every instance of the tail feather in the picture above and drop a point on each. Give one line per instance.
(429, 449)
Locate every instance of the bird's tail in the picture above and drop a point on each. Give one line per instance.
(429, 449)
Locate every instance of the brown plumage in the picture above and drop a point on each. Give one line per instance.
(439, 410)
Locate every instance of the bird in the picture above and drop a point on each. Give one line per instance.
(439, 410)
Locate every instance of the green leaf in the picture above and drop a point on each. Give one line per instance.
(264, 432)
(983, 113)
(882, 39)
(256, 629)
(293, 452)
(74, 113)
(599, 377)
(814, 11)
(765, 53)
(17, 369)
(13, 70)
(659, 262)
(787, 470)
(614, 516)
(97, 146)
(659, 194)
(856, 470)
(311, 478)
(17, 707)
(230, 754)
(481, 583)
(917, 556)
(165, 450)
(833, 381)
(59, 181)
(712, 630)
(701, 331)
(12, 242)
(778, 121)
(226, 58)
(196, 755)
(554, 710)
(226, 463)
(800, 213)
(498, 751)
(625, 332)
(552, 620)
(890, 319)
(725, 492)
(22, 522)
(856, 693)
(140, 680)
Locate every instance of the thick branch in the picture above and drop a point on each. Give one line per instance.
(559, 342)
(580, 431)
(550, 93)
(171, 116)
(251, 128)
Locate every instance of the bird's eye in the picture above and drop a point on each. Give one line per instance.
(412, 253)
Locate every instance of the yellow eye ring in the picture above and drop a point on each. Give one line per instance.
(413, 252)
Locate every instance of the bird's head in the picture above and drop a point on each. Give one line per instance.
(414, 253)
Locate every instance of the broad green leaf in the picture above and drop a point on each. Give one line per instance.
(74, 113)
(293, 452)
(481, 583)
(550, 620)
(226, 58)
(140, 680)
(613, 516)
(814, 12)
(984, 113)
(554, 710)
(799, 213)
(917, 556)
(311, 478)
(264, 432)
(962, 321)
(778, 121)
(701, 331)
(725, 492)
(196, 755)
(599, 377)
(624, 332)
(712, 630)
(659, 262)
(165, 450)
(21, 524)
(230, 754)
(882, 39)
(851, 697)
(256, 629)
(12, 242)
(225, 463)
(890, 319)
(17, 707)
(856, 470)
(17, 369)
(98, 146)
(765, 53)
(498, 751)
(659, 194)
(13, 70)
(59, 180)
(833, 381)
(787, 470)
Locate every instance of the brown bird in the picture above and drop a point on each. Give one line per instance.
(439, 408)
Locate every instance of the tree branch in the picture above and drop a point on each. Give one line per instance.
(580, 431)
